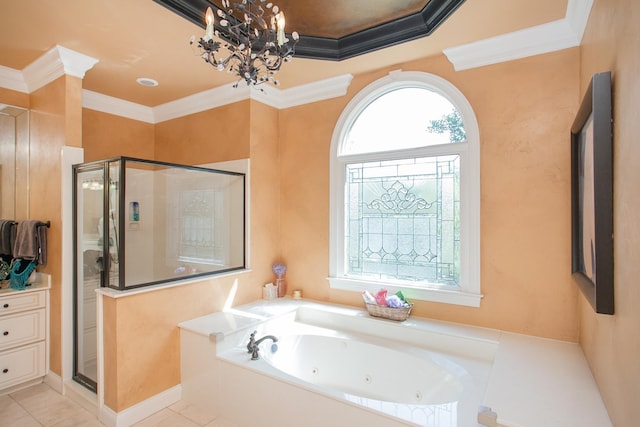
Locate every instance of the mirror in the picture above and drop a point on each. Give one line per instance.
(14, 162)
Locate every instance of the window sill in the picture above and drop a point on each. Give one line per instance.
(434, 294)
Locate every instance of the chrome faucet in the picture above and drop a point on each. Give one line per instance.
(252, 346)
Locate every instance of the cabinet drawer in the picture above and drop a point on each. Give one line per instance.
(22, 364)
(14, 303)
(22, 328)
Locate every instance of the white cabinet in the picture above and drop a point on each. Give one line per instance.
(23, 336)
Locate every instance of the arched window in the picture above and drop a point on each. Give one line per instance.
(405, 191)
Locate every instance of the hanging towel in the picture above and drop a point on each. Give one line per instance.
(7, 236)
(31, 241)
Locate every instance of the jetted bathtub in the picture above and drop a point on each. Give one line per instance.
(334, 365)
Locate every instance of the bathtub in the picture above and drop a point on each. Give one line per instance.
(364, 370)
(334, 365)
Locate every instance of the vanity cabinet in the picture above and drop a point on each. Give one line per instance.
(23, 336)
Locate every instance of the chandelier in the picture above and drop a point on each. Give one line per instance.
(256, 46)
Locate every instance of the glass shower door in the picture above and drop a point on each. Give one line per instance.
(89, 271)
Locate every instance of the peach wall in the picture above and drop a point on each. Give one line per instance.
(105, 136)
(11, 97)
(524, 109)
(206, 137)
(110, 353)
(73, 113)
(612, 343)
(53, 108)
(142, 342)
(265, 194)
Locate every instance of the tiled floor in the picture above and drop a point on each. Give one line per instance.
(40, 405)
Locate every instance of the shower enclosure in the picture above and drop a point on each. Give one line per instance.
(139, 223)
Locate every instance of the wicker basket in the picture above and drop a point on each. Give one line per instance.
(399, 314)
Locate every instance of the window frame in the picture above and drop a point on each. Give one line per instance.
(468, 293)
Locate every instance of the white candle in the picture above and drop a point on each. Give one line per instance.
(208, 35)
(280, 21)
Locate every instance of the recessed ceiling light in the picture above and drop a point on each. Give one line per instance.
(145, 81)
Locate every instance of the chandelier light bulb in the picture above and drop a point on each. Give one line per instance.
(280, 21)
(209, 19)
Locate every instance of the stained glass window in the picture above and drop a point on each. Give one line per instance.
(405, 191)
(402, 219)
(200, 223)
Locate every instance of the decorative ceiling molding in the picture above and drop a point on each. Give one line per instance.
(12, 79)
(55, 63)
(578, 14)
(60, 60)
(401, 30)
(414, 26)
(557, 35)
(117, 107)
(206, 100)
(333, 87)
(218, 97)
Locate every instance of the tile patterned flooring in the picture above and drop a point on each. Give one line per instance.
(40, 405)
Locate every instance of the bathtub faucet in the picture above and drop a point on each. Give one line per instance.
(252, 347)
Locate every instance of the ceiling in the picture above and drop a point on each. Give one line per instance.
(142, 38)
(346, 29)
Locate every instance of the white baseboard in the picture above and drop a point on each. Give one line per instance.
(82, 396)
(54, 381)
(108, 416)
(142, 410)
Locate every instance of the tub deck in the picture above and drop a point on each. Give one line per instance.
(533, 381)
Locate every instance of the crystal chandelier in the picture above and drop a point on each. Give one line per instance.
(256, 46)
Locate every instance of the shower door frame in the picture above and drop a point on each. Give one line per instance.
(104, 273)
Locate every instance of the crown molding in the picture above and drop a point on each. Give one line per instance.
(577, 15)
(55, 63)
(333, 87)
(202, 101)
(537, 40)
(12, 79)
(117, 107)
(277, 98)
(557, 35)
(75, 64)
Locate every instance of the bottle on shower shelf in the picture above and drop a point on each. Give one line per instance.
(134, 211)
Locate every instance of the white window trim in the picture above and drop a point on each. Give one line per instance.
(468, 293)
